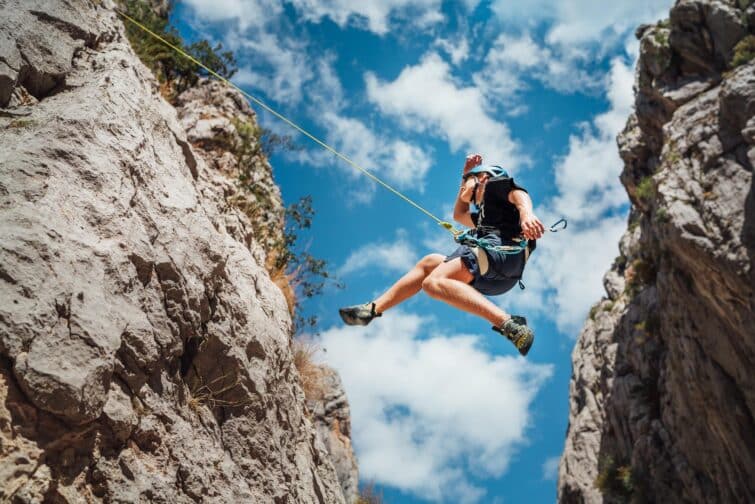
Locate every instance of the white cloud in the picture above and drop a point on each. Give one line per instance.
(512, 60)
(398, 161)
(245, 13)
(273, 55)
(371, 15)
(520, 51)
(578, 22)
(281, 66)
(550, 468)
(580, 34)
(588, 176)
(329, 91)
(425, 96)
(398, 256)
(423, 417)
(457, 49)
(438, 240)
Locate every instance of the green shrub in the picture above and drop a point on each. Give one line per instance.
(660, 37)
(744, 51)
(175, 72)
(646, 190)
(639, 274)
(614, 481)
(661, 215)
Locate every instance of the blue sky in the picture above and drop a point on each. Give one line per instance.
(443, 410)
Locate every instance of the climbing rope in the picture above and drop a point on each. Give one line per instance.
(459, 234)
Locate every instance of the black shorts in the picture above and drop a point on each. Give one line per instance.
(503, 270)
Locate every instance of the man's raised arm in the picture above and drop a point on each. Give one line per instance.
(532, 228)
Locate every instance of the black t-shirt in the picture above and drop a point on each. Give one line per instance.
(497, 211)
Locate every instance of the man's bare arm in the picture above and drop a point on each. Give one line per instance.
(532, 228)
(461, 207)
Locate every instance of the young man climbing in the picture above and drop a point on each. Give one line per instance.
(503, 217)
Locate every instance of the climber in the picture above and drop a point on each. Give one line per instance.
(504, 216)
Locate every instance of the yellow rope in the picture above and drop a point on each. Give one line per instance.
(445, 225)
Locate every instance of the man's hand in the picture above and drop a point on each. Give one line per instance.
(472, 161)
(467, 189)
(532, 228)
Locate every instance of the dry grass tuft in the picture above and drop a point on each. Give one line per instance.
(368, 495)
(209, 393)
(311, 374)
(283, 280)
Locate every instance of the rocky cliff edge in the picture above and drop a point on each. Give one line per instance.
(145, 353)
(662, 393)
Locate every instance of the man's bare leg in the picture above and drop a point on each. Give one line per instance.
(409, 284)
(449, 282)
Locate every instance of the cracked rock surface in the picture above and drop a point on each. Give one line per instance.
(662, 394)
(144, 351)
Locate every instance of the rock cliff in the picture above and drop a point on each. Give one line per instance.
(145, 352)
(662, 394)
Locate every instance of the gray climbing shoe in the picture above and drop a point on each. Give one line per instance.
(359, 314)
(515, 329)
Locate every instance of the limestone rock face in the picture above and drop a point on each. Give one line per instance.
(332, 418)
(144, 351)
(662, 394)
(218, 120)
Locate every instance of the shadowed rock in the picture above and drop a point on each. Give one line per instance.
(662, 393)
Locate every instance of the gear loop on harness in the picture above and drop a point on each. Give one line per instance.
(466, 238)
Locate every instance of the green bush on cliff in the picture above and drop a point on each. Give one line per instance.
(661, 37)
(646, 190)
(614, 481)
(175, 72)
(744, 51)
(639, 274)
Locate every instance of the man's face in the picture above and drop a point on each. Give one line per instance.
(483, 177)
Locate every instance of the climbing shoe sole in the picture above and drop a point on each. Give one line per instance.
(359, 314)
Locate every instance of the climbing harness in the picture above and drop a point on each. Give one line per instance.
(470, 239)
(467, 238)
(460, 235)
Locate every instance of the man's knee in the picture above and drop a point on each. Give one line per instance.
(430, 262)
(432, 285)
